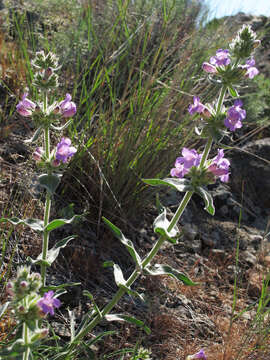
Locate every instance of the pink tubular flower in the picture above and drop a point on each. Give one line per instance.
(220, 166)
(67, 107)
(183, 164)
(64, 151)
(37, 155)
(211, 69)
(26, 106)
(47, 303)
(235, 115)
(197, 106)
(221, 58)
(251, 69)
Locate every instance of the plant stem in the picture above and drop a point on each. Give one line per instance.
(45, 243)
(135, 273)
(221, 98)
(26, 341)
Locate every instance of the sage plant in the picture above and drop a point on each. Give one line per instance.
(192, 173)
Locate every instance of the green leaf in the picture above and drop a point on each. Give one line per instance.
(161, 224)
(128, 243)
(118, 275)
(16, 349)
(53, 252)
(3, 309)
(34, 224)
(34, 137)
(63, 127)
(208, 200)
(233, 92)
(132, 292)
(55, 224)
(161, 269)
(129, 319)
(50, 182)
(57, 287)
(177, 184)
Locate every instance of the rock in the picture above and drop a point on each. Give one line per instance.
(251, 171)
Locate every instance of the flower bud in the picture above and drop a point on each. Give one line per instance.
(9, 288)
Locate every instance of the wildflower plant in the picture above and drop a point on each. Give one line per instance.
(192, 173)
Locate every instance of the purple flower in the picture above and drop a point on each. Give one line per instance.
(47, 303)
(220, 166)
(183, 164)
(221, 58)
(67, 107)
(198, 355)
(64, 151)
(211, 69)
(251, 69)
(196, 106)
(26, 106)
(235, 115)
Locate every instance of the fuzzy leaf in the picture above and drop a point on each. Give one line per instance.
(128, 243)
(177, 184)
(55, 224)
(34, 137)
(118, 275)
(53, 252)
(161, 269)
(49, 182)
(161, 224)
(13, 351)
(129, 319)
(57, 287)
(208, 200)
(34, 224)
(63, 127)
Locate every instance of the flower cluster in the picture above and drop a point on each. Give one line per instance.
(66, 107)
(241, 50)
(28, 305)
(218, 167)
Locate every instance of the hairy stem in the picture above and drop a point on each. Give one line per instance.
(26, 341)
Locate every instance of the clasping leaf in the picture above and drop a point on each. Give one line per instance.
(161, 269)
(128, 243)
(208, 200)
(161, 224)
(177, 184)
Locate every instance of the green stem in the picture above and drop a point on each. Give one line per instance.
(135, 273)
(221, 98)
(45, 243)
(26, 341)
